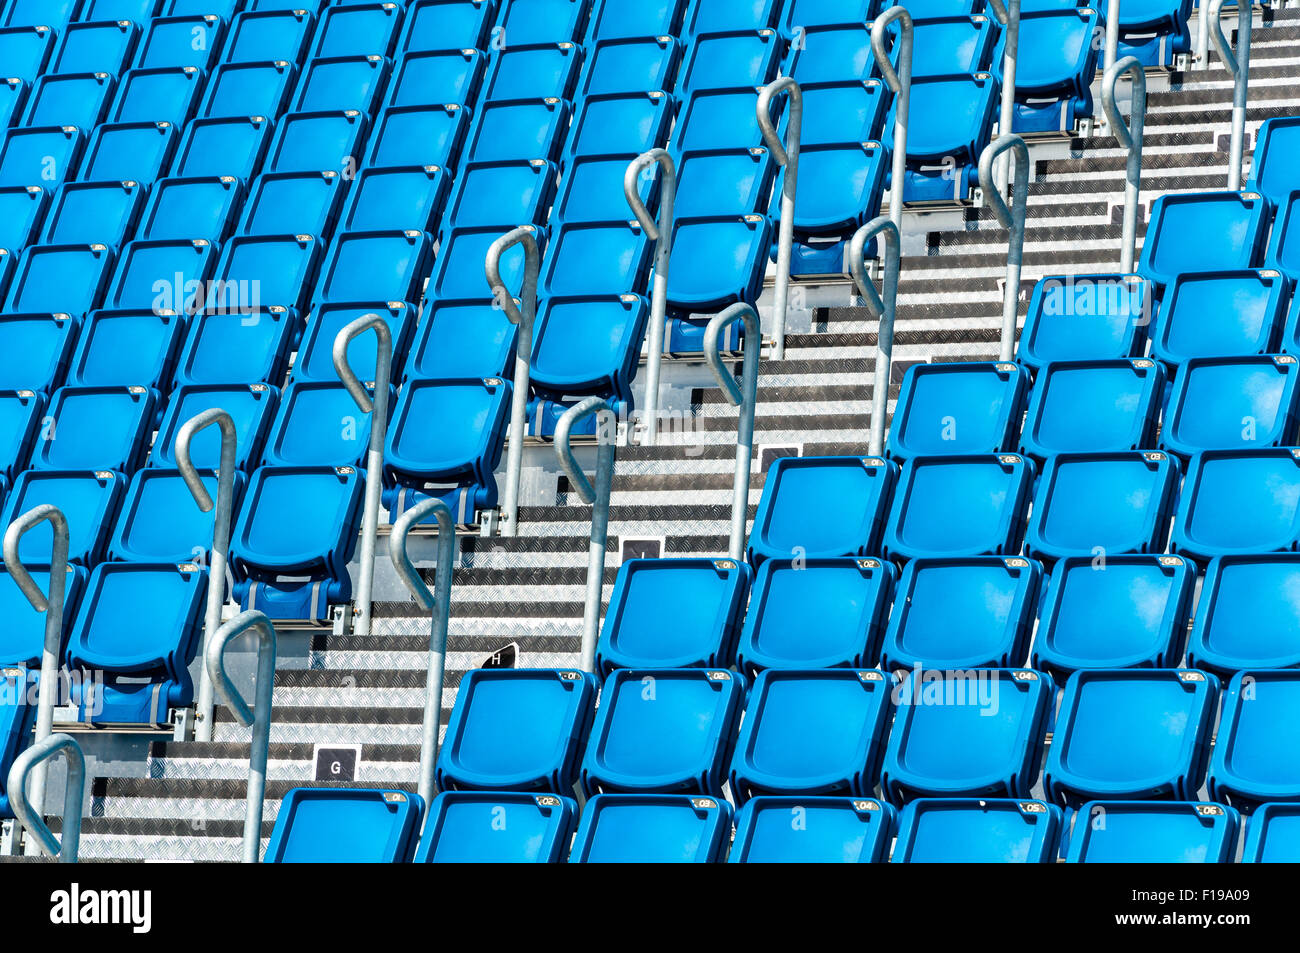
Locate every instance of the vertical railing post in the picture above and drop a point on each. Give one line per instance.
(523, 318)
(1238, 65)
(1013, 219)
(1111, 52)
(377, 407)
(52, 606)
(437, 602)
(258, 717)
(1007, 13)
(1201, 53)
(220, 536)
(744, 396)
(900, 82)
(661, 233)
(1130, 137)
(29, 813)
(884, 310)
(787, 157)
(598, 497)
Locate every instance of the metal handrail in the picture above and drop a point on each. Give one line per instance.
(883, 309)
(1008, 14)
(1130, 137)
(1013, 219)
(221, 527)
(1238, 65)
(27, 812)
(1111, 49)
(787, 157)
(661, 233)
(523, 318)
(598, 497)
(377, 407)
(52, 605)
(744, 396)
(437, 602)
(900, 82)
(258, 717)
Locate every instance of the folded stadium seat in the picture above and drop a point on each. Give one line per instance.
(1236, 403)
(852, 596)
(1155, 31)
(36, 349)
(1169, 249)
(447, 25)
(231, 347)
(358, 29)
(162, 275)
(717, 119)
(181, 41)
(815, 731)
(43, 156)
(972, 733)
(314, 142)
(160, 522)
(715, 16)
(1245, 616)
(508, 190)
(461, 339)
(964, 43)
(1143, 832)
(258, 271)
(340, 83)
(191, 208)
(318, 425)
(250, 406)
(735, 58)
(1102, 505)
(394, 197)
(386, 265)
(834, 53)
(663, 731)
(315, 360)
(1094, 407)
(93, 212)
(1273, 170)
(262, 88)
(1191, 321)
(60, 278)
(138, 10)
(53, 13)
(293, 540)
(96, 46)
(22, 641)
(528, 22)
(548, 70)
(293, 203)
(816, 830)
(436, 77)
(1273, 835)
(673, 613)
(166, 94)
(506, 129)
(988, 830)
(96, 428)
(258, 36)
(497, 827)
(1253, 762)
(628, 64)
(592, 189)
(961, 407)
(517, 730)
(1132, 734)
(825, 216)
(1054, 70)
(138, 625)
(65, 99)
(971, 612)
(723, 182)
(601, 258)
(21, 415)
(458, 268)
(959, 506)
(138, 151)
(951, 122)
(842, 112)
(621, 124)
(652, 829)
(89, 501)
(234, 146)
(454, 462)
(1130, 612)
(22, 214)
(1283, 251)
(341, 825)
(25, 50)
(717, 260)
(589, 345)
(1086, 318)
(1238, 502)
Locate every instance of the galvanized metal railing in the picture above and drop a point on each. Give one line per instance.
(221, 528)
(743, 395)
(258, 717)
(26, 810)
(1007, 14)
(1130, 137)
(883, 308)
(661, 233)
(438, 603)
(1111, 50)
(377, 407)
(787, 156)
(900, 82)
(1013, 219)
(523, 315)
(1237, 63)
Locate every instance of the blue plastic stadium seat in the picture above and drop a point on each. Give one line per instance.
(1102, 504)
(313, 142)
(181, 41)
(507, 129)
(988, 830)
(1253, 762)
(162, 275)
(44, 155)
(1093, 407)
(358, 29)
(227, 347)
(60, 278)
(1233, 403)
(462, 339)
(621, 123)
(97, 46)
(232, 146)
(260, 36)
(55, 13)
(16, 720)
(971, 612)
(165, 94)
(951, 121)
(962, 407)
(89, 501)
(1191, 321)
(265, 271)
(592, 190)
(93, 212)
(517, 730)
(1172, 246)
(625, 65)
(388, 198)
(736, 58)
(1084, 318)
(22, 213)
(723, 182)
(160, 521)
(433, 78)
(959, 506)
(26, 50)
(447, 25)
(337, 825)
(673, 613)
(34, 350)
(1132, 734)
(497, 827)
(717, 119)
(249, 89)
(815, 731)
(22, 642)
(548, 70)
(191, 208)
(21, 414)
(955, 44)
(1143, 832)
(95, 428)
(827, 830)
(388, 265)
(1123, 612)
(341, 82)
(843, 112)
(588, 345)
(790, 519)
(318, 424)
(510, 190)
(67, 99)
(663, 731)
(714, 16)
(1283, 251)
(1273, 835)
(717, 260)
(839, 189)
(418, 135)
(1246, 614)
(1054, 70)
(251, 407)
(1239, 502)
(1273, 170)
(1155, 31)
(595, 258)
(222, 8)
(837, 52)
(612, 19)
(652, 829)
(315, 361)
(541, 21)
(139, 151)
(293, 203)
(458, 268)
